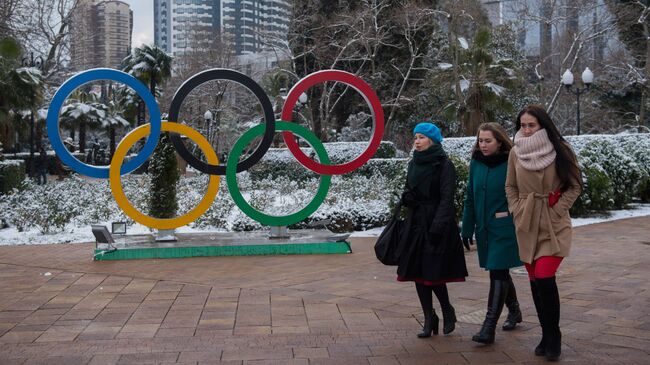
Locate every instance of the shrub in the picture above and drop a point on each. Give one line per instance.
(163, 169)
(624, 173)
(279, 162)
(12, 174)
(639, 150)
(47, 207)
(598, 194)
(462, 175)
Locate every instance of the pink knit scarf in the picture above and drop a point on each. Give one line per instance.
(535, 152)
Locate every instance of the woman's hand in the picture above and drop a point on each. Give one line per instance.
(408, 198)
(467, 241)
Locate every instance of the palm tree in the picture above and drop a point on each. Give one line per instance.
(115, 112)
(20, 87)
(83, 109)
(150, 64)
(485, 80)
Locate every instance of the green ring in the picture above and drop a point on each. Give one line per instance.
(271, 220)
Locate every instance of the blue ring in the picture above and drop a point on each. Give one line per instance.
(101, 74)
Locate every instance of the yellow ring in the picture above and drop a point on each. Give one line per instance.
(116, 184)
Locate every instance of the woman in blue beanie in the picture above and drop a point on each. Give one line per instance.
(433, 255)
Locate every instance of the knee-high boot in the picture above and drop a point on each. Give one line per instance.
(496, 298)
(514, 312)
(540, 349)
(550, 299)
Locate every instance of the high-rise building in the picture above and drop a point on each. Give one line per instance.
(100, 34)
(250, 23)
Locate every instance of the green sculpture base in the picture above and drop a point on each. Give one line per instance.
(300, 242)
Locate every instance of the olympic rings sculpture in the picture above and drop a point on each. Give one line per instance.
(152, 131)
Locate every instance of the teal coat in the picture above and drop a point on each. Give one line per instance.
(496, 240)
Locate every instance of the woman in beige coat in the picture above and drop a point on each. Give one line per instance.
(542, 183)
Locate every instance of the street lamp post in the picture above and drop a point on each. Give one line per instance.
(36, 63)
(587, 80)
(302, 101)
(207, 116)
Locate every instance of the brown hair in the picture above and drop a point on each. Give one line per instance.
(498, 132)
(566, 162)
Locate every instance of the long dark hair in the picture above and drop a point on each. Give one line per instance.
(566, 163)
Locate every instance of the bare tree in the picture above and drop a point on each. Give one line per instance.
(634, 29)
(232, 108)
(43, 27)
(568, 32)
(384, 42)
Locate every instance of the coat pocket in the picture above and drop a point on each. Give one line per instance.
(499, 220)
(557, 213)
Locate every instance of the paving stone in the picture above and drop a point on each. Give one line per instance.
(315, 309)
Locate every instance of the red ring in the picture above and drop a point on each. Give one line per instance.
(375, 108)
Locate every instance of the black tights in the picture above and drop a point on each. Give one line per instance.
(503, 275)
(426, 299)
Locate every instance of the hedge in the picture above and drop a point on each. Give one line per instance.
(616, 171)
(12, 174)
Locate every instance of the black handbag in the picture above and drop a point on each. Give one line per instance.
(391, 240)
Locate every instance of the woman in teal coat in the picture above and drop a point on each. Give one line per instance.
(485, 215)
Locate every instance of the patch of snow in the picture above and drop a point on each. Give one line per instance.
(463, 42)
(464, 85)
(444, 66)
(497, 89)
(636, 210)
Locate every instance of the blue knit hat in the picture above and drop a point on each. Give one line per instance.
(430, 130)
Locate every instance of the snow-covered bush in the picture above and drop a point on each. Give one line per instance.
(279, 162)
(624, 173)
(639, 150)
(49, 210)
(356, 129)
(355, 201)
(462, 175)
(598, 194)
(459, 147)
(12, 174)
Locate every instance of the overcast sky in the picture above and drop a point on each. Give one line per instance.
(142, 21)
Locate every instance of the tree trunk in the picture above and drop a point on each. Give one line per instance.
(153, 86)
(112, 145)
(460, 107)
(316, 117)
(546, 39)
(82, 136)
(646, 33)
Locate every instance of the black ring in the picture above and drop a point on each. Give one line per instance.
(231, 75)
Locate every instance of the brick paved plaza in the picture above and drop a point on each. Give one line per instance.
(59, 307)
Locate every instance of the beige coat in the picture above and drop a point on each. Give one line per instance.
(541, 230)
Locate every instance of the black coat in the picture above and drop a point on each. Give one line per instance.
(433, 250)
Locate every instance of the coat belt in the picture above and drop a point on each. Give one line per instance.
(531, 202)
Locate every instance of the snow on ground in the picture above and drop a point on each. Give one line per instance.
(72, 234)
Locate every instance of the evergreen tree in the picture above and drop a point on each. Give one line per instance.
(163, 169)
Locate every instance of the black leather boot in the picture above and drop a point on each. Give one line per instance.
(448, 320)
(496, 298)
(540, 349)
(514, 312)
(550, 299)
(431, 321)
